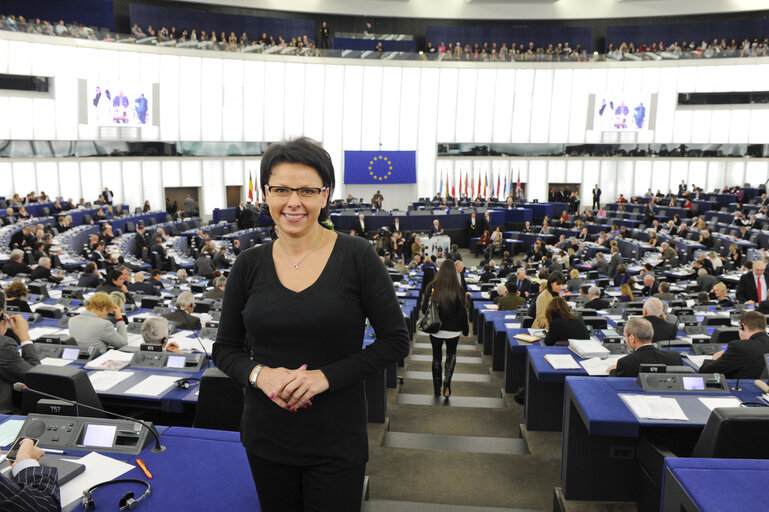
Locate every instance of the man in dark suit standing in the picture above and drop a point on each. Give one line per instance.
(663, 330)
(638, 337)
(13, 365)
(240, 212)
(141, 240)
(596, 197)
(682, 188)
(473, 228)
(107, 195)
(751, 287)
(31, 488)
(360, 226)
(743, 358)
(396, 225)
(614, 262)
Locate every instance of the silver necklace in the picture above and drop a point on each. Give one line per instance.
(296, 265)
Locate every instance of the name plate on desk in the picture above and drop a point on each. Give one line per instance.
(683, 382)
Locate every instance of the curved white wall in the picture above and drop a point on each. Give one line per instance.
(352, 105)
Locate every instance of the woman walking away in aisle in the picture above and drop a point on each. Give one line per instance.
(449, 297)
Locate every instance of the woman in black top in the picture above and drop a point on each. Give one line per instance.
(291, 333)
(449, 296)
(16, 293)
(564, 324)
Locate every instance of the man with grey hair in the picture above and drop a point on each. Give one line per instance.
(652, 312)
(638, 337)
(182, 315)
(155, 331)
(594, 300)
(218, 291)
(705, 281)
(16, 265)
(43, 271)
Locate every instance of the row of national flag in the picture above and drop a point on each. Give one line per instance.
(484, 188)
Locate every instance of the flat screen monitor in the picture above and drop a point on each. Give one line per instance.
(175, 362)
(693, 383)
(620, 112)
(119, 103)
(70, 353)
(99, 436)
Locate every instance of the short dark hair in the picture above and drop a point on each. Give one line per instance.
(156, 272)
(753, 320)
(113, 275)
(90, 267)
(303, 151)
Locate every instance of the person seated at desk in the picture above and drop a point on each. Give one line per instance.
(43, 271)
(564, 324)
(743, 358)
(575, 282)
(508, 301)
(594, 300)
(520, 284)
(220, 260)
(91, 329)
(719, 291)
(553, 287)
(16, 293)
(218, 291)
(487, 274)
(204, 266)
(650, 285)
(669, 255)
(141, 286)
(90, 278)
(705, 281)
(664, 293)
(115, 282)
(13, 363)
(483, 242)
(638, 334)
(182, 315)
(622, 276)
(16, 265)
(30, 488)
(653, 312)
(236, 247)
(155, 331)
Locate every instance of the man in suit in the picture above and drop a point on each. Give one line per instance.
(436, 228)
(473, 228)
(663, 330)
(141, 286)
(508, 301)
(638, 337)
(13, 365)
(159, 256)
(220, 260)
(614, 262)
(235, 247)
(204, 266)
(650, 286)
(16, 265)
(90, 278)
(218, 291)
(751, 287)
(18, 238)
(743, 358)
(182, 315)
(518, 284)
(594, 300)
(107, 195)
(668, 253)
(395, 227)
(601, 265)
(459, 266)
(31, 487)
(682, 188)
(240, 213)
(664, 293)
(360, 226)
(596, 197)
(99, 256)
(705, 281)
(141, 240)
(43, 271)
(156, 279)
(190, 206)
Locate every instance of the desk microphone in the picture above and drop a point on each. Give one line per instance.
(20, 386)
(187, 321)
(737, 385)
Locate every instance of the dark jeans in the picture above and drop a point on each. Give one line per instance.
(437, 343)
(319, 488)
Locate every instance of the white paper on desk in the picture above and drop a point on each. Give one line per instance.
(614, 317)
(598, 366)
(154, 385)
(485, 295)
(562, 362)
(697, 360)
(39, 332)
(400, 294)
(722, 401)
(54, 361)
(654, 407)
(510, 317)
(98, 468)
(110, 355)
(537, 332)
(491, 307)
(193, 345)
(512, 325)
(54, 294)
(473, 287)
(9, 430)
(103, 381)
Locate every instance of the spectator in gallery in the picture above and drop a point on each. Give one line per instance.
(324, 36)
(136, 31)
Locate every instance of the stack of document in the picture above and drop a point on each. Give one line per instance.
(562, 362)
(526, 338)
(697, 360)
(654, 407)
(588, 348)
(111, 360)
(600, 367)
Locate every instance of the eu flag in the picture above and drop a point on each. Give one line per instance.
(380, 167)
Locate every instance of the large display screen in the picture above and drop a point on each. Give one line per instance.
(621, 113)
(119, 103)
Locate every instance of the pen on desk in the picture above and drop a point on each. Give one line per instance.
(143, 468)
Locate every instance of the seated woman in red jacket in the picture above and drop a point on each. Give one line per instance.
(483, 242)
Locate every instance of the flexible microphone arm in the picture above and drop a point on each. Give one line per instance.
(187, 320)
(158, 447)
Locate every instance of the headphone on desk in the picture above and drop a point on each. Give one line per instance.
(186, 382)
(127, 502)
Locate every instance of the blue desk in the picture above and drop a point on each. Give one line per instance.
(601, 435)
(711, 485)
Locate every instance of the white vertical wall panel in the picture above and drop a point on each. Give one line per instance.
(428, 115)
(625, 178)
(211, 99)
(313, 101)
(390, 107)
(541, 105)
(666, 105)
(590, 177)
(19, 58)
(191, 173)
(633, 80)
(521, 116)
(687, 79)
(608, 180)
(574, 171)
(615, 80)
(598, 78)
(233, 172)
(740, 126)
(108, 64)
(697, 171)
(43, 60)
(47, 178)
(44, 119)
(720, 121)
(759, 121)
(232, 109)
(130, 68)
(701, 126)
(756, 173)
(171, 173)
(274, 91)
(735, 172)
(149, 68)
(706, 78)
(409, 109)
(682, 125)
(189, 94)
(213, 192)
(90, 178)
(69, 179)
(485, 110)
(152, 184)
(536, 185)
(679, 170)
(168, 104)
(112, 177)
(7, 185)
(643, 177)
(466, 100)
(580, 86)
(650, 80)
(716, 175)
(661, 176)
(84, 59)
(352, 108)
(447, 104)
(503, 105)
(3, 55)
(333, 101)
(295, 85)
(132, 183)
(20, 110)
(24, 178)
(561, 103)
(5, 128)
(253, 100)
(556, 171)
(371, 107)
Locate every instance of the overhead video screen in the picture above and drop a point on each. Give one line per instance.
(119, 103)
(621, 113)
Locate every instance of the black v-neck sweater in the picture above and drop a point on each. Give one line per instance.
(322, 326)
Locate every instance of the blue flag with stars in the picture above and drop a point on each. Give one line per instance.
(380, 167)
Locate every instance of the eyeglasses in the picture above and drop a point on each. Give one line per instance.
(303, 192)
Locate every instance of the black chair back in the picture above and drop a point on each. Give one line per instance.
(220, 402)
(64, 381)
(735, 433)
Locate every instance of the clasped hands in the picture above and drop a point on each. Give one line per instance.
(292, 389)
